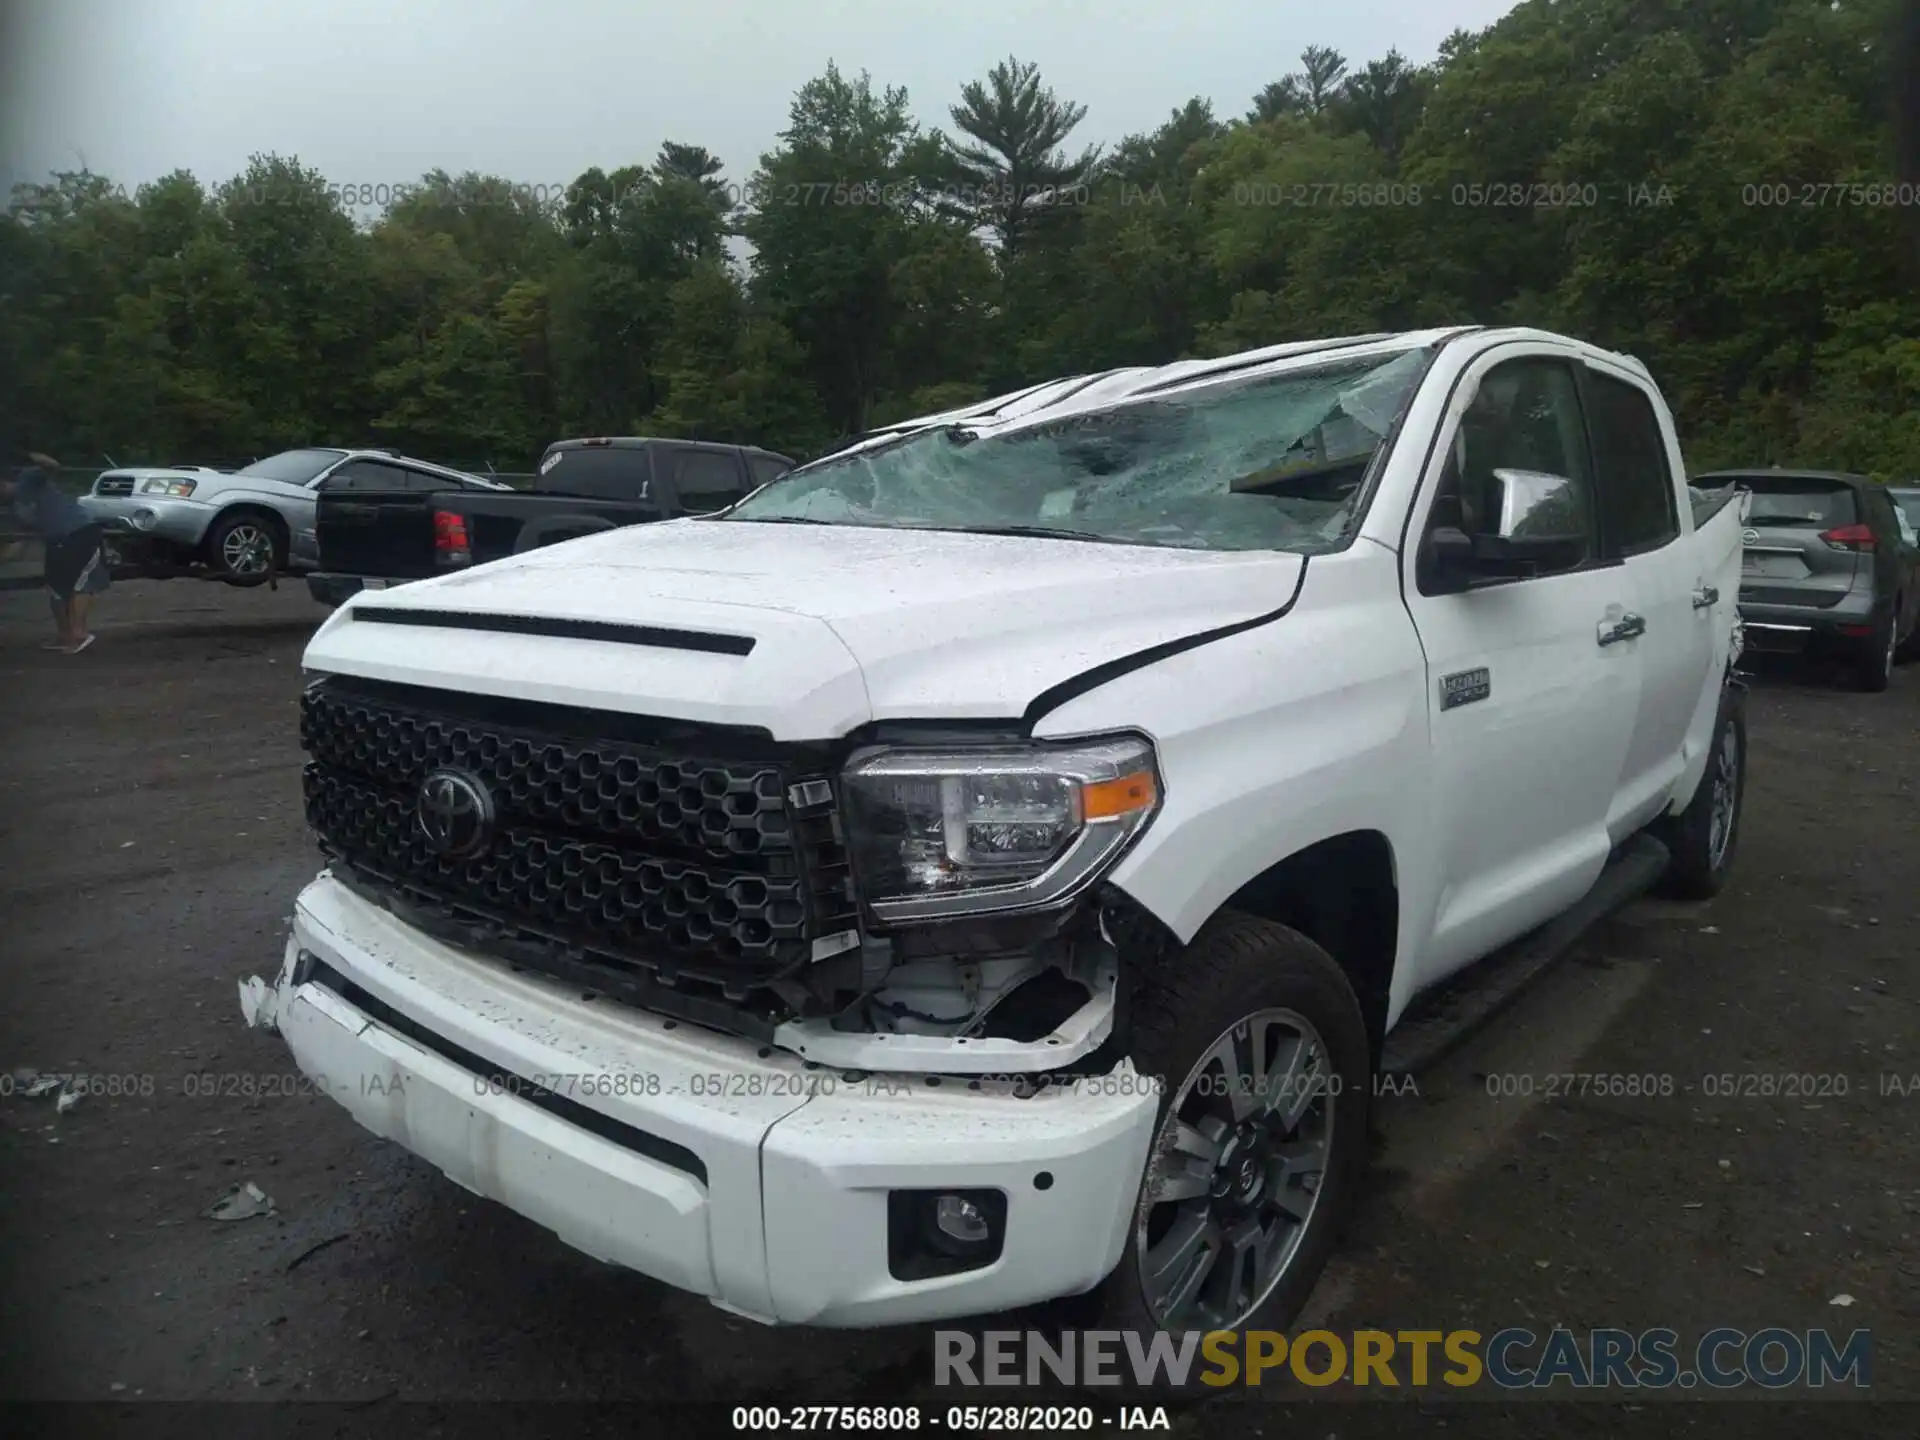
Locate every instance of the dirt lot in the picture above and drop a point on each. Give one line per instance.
(152, 845)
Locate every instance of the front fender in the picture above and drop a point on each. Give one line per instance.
(1276, 738)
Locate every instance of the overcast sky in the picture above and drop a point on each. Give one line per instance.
(374, 92)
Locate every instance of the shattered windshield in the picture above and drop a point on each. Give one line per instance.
(1272, 462)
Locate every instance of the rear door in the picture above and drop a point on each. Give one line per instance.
(375, 518)
(1792, 557)
(1636, 471)
(1533, 689)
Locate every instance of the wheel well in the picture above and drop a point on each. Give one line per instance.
(275, 522)
(1341, 894)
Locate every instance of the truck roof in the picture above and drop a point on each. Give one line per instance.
(1076, 393)
(640, 442)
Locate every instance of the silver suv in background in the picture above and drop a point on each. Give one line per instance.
(1828, 566)
(241, 526)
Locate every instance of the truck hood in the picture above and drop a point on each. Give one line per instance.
(846, 624)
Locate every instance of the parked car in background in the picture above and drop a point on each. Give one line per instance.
(1827, 567)
(241, 526)
(381, 527)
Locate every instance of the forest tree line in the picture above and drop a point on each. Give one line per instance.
(1707, 184)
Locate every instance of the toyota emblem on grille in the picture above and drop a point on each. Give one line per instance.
(1749, 537)
(455, 813)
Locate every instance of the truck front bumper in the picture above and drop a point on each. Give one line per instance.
(156, 517)
(730, 1170)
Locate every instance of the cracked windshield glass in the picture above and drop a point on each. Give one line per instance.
(1273, 462)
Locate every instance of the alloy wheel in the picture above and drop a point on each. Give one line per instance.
(1726, 794)
(246, 549)
(1235, 1182)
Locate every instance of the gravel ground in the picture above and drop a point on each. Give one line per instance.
(150, 846)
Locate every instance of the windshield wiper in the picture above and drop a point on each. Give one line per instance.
(1038, 532)
(776, 520)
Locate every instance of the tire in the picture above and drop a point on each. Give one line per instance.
(244, 548)
(1872, 663)
(1908, 649)
(1702, 854)
(1247, 980)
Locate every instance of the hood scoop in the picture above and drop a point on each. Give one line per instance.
(613, 632)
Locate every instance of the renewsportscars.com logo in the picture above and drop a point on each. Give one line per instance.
(1510, 1359)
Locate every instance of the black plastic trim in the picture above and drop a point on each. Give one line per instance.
(627, 1137)
(601, 972)
(701, 739)
(607, 630)
(1055, 696)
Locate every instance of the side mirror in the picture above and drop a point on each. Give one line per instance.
(1446, 563)
(1540, 527)
(1535, 505)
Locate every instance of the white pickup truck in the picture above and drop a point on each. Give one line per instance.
(985, 865)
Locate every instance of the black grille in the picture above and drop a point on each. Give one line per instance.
(672, 856)
(113, 485)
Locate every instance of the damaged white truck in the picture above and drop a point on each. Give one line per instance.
(985, 865)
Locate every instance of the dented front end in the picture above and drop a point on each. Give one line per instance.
(895, 901)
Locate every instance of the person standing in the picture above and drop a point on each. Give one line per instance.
(74, 545)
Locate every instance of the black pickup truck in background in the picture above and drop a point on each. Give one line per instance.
(384, 525)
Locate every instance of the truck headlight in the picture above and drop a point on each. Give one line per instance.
(972, 831)
(179, 489)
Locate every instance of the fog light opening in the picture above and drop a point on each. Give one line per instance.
(944, 1232)
(958, 1222)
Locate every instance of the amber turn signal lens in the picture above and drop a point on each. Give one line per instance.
(1105, 799)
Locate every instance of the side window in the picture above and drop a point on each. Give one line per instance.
(598, 472)
(1524, 421)
(1887, 520)
(765, 468)
(706, 480)
(1630, 454)
(368, 475)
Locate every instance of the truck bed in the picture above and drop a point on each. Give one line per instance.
(390, 534)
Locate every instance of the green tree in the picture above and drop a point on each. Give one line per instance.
(827, 232)
(1015, 162)
(1705, 183)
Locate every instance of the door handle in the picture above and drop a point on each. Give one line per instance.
(1625, 628)
(1705, 598)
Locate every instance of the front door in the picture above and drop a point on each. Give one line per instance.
(1533, 684)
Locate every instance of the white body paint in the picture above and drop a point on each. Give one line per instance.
(1319, 720)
